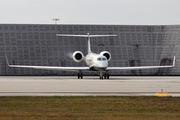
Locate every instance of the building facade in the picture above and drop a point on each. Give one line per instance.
(135, 45)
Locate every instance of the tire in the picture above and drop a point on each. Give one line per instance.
(81, 76)
(78, 75)
(107, 76)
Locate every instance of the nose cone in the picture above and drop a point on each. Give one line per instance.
(102, 64)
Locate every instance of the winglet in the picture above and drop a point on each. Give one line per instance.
(7, 60)
(174, 60)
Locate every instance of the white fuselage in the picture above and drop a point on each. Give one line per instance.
(96, 61)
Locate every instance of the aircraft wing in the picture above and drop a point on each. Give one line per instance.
(77, 69)
(74, 69)
(139, 67)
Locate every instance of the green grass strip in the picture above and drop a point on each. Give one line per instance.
(90, 107)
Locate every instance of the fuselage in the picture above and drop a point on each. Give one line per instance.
(96, 61)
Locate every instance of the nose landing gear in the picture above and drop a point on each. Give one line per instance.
(106, 75)
(101, 75)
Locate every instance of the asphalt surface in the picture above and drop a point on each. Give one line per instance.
(89, 86)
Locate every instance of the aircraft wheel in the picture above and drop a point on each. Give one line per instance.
(78, 75)
(107, 76)
(81, 76)
(100, 77)
(104, 76)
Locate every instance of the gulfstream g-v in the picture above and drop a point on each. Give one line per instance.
(94, 61)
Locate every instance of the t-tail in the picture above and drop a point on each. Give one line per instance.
(88, 36)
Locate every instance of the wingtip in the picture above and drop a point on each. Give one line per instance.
(7, 60)
(174, 60)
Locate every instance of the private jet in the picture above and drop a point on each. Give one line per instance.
(94, 61)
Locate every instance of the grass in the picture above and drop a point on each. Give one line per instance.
(90, 107)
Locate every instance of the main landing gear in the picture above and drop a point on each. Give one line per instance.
(106, 75)
(80, 75)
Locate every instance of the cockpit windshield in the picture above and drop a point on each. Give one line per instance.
(101, 59)
(104, 59)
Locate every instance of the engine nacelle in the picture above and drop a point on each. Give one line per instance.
(106, 54)
(78, 56)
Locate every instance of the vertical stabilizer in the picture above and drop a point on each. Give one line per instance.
(89, 44)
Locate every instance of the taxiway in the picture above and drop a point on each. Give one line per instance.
(90, 85)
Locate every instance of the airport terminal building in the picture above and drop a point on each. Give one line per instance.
(135, 45)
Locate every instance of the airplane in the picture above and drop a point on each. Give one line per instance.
(94, 61)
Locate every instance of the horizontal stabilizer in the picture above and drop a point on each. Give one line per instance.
(88, 36)
(70, 35)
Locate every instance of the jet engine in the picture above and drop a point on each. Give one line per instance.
(78, 56)
(106, 54)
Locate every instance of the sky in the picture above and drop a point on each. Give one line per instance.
(113, 12)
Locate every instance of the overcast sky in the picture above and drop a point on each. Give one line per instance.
(119, 12)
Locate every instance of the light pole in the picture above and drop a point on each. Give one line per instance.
(56, 19)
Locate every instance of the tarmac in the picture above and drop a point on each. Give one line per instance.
(88, 86)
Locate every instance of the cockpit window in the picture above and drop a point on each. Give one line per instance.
(99, 59)
(104, 59)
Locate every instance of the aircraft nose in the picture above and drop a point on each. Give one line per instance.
(103, 64)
